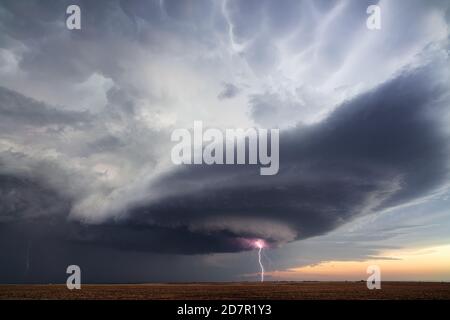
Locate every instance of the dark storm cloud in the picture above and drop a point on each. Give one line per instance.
(382, 149)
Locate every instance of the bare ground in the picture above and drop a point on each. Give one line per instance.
(233, 290)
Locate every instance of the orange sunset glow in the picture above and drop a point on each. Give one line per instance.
(423, 264)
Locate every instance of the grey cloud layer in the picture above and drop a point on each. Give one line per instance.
(382, 149)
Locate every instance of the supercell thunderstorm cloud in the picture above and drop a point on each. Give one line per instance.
(86, 118)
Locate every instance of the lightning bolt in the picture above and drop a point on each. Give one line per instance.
(260, 245)
(260, 264)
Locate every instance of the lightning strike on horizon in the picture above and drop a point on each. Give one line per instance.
(260, 245)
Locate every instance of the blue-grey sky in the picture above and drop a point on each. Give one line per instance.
(86, 117)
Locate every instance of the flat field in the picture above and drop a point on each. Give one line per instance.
(233, 290)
